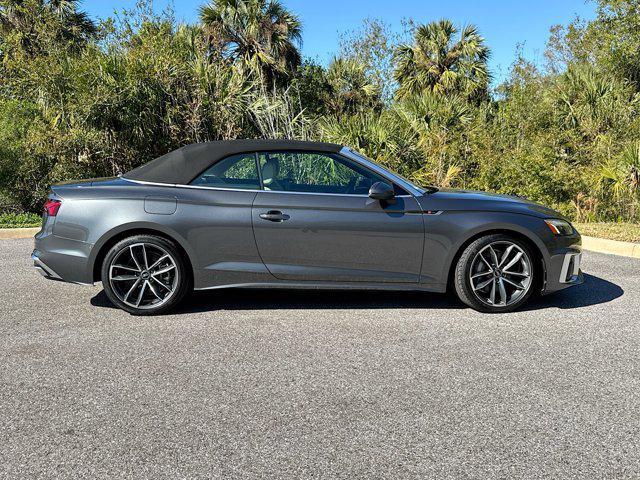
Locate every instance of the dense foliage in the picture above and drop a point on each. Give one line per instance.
(86, 99)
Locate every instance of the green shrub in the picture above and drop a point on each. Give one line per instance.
(19, 220)
(80, 101)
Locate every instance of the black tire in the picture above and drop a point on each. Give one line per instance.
(180, 286)
(463, 271)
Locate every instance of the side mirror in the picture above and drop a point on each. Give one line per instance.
(382, 191)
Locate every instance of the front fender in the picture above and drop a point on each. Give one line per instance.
(447, 233)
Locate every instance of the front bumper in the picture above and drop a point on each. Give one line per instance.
(564, 271)
(570, 272)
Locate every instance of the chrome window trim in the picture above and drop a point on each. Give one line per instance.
(345, 152)
(199, 187)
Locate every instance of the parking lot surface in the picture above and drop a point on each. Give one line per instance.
(281, 384)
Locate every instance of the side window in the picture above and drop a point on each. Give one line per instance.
(314, 173)
(237, 171)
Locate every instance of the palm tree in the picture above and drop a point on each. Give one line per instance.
(432, 121)
(13, 16)
(620, 178)
(77, 25)
(593, 101)
(438, 63)
(368, 132)
(260, 33)
(32, 23)
(351, 89)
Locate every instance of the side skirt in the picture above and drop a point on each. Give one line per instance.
(438, 288)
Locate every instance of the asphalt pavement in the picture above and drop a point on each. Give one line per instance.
(282, 384)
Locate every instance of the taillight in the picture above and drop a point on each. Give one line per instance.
(52, 207)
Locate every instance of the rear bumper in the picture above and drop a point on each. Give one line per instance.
(58, 258)
(42, 267)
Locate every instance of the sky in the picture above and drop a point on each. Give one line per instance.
(505, 24)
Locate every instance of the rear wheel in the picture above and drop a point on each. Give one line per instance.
(495, 273)
(145, 275)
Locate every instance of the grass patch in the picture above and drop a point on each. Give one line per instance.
(625, 232)
(19, 220)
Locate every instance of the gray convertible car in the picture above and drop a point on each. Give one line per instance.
(272, 213)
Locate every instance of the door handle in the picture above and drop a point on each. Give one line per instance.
(274, 216)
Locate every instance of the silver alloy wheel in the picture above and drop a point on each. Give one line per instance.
(500, 274)
(143, 275)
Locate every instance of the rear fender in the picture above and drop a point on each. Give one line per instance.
(135, 228)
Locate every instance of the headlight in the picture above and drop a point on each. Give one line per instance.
(559, 227)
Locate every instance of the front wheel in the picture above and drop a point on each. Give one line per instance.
(495, 273)
(145, 275)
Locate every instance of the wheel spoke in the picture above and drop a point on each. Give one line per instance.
(513, 261)
(506, 254)
(164, 270)
(123, 267)
(153, 290)
(482, 274)
(131, 290)
(144, 256)
(503, 292)
(141, 294)
(161, 284)
(492, 298)
(494, 256)
(134, 258)
(517, 274)
(164, 257)
(483, 284)
(514, 284)
(485, 261)
(122, 278)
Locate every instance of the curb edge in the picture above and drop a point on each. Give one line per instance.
(14, 233)
(612, 247)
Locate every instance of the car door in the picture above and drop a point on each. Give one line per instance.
(215, 218)
(314, 221)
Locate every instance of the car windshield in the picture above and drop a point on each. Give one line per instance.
(427, 189)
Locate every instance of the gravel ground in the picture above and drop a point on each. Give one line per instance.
(277, 384)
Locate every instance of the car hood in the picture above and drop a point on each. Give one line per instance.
(469, 200)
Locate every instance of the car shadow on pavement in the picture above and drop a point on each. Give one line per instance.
(300, 299)
(595, 290)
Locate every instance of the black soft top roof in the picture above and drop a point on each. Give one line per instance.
(186, 163)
